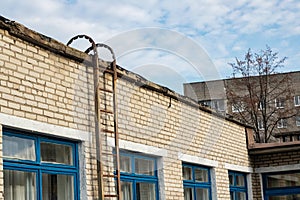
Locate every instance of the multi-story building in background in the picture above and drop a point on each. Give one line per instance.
(214, 94)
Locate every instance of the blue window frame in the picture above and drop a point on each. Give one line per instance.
(238, 185)
(196, 182)
(139, 178)
(281, 185)
(38, 167)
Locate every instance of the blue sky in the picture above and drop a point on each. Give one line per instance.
(170, 42)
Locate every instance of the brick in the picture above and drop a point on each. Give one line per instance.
(32, 49)
(8, 39)
(16, 49)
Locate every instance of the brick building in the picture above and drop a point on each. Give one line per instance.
(213, 94)
(170, 147)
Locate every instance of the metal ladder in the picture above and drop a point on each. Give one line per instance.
(102, 129)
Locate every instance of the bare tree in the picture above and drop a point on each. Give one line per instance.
(259, 94)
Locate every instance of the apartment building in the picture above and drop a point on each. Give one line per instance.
(214, 94)
(58, 128)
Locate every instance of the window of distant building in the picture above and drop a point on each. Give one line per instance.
(139, 178)
(237, 186)
(217, 104)
(196, 182)
(282, 123)
(238, 107)
(261, 124)
(282, 185)
(261, 105)
(297, 120)
(297, 100)
(279, 103)
(38, 167)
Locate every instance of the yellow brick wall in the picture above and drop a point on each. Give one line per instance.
(49, 87)
(42, 86)
(150, 118)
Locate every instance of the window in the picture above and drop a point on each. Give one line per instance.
(261, 124)
(297, 100)
(217, 104)
(261, 105)
(138, 177)
(282, 123)
(284, 185)
(297, 120)
(237, 186)
(238, 107)
(279, 103)
(37, 168)
(196, 182)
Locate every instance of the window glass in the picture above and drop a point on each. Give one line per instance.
(187, 173)
(240, 180)
(146, 191)
(241, 195)
(18, 148)
(126, 190)
(144, 166)
(125, 164)
(188, 193)
(201, 175)
(282, 186)
(285, 197)
(238, 107)
(297, 120)
(282, 123)
(261, 105)
(231, 180)
(57, 186)
(283, 180)
(231, 195)
(56, 153)
(279, 103)
(202, 194)
(19, 185)
(261, 125)
(297, 100)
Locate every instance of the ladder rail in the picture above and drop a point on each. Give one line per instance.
(100, 171)
(115, 108)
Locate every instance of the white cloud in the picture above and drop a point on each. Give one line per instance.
(224, 29)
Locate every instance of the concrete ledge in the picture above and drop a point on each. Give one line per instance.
(142, 148)
(265, 148)
(44, 128)
(197, 160)
(281, 168)
(238, 168)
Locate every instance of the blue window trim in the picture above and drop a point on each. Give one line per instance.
(135, 178)
(278, 191)
(196, 184)
(43, 167)
(234, 188)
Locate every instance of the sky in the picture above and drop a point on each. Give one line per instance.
(169, 42)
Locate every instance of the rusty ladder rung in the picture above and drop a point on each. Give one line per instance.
(111, 195)
(106, 153)
(107, 71)
(107, 111)
(107, 131)
(105, 90)
(110, 175)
